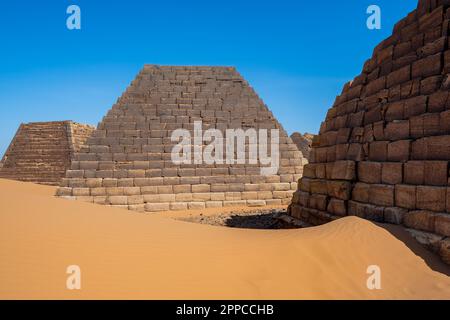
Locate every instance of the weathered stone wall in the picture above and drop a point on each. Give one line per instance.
(41, 152)
(303, 142)
(384, 148)
(78, 134)
(127, 163)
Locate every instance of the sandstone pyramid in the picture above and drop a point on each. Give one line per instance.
(303, 142)
(128, 162)
(384, 148)
(41, 152)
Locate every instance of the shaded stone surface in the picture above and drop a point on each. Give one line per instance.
(303, 142)
(392, 124)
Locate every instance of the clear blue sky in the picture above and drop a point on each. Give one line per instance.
(297, 54)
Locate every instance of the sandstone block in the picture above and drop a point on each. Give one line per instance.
(337, 207)
(436, 173)
(431, 198)
(399, 150)
(256, 203)
(178, 206)
(397, 130)
(442, 224)
(381, 195)
(414, 172)
(118, 200)
(369, 172)
(155, 207)
(394, 215)
(421, 220)
(344, 170)
(339, 189)
(405, 196)
(378, 151)
(392, 173)
(360, 192)
(196, 205)
(234, 203)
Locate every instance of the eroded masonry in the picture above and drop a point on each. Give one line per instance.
(129, 160)
(384, 148)
(41, 151)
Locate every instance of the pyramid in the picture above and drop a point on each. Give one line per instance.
(384, 148)
(129, 160)
(303, 142)
(40, 152)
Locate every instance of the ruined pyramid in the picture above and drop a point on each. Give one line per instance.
(41, 152)
(133, 161)
(384, 148)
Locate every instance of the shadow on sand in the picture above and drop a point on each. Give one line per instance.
(430, 258)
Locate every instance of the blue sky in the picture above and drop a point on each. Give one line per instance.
(296, 54)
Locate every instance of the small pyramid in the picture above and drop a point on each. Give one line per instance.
(41, 151)
(383, 150)
(129, 160)
(303, 142)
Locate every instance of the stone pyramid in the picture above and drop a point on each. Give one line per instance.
(384, 148)
(129, 162)
(41, 151)
(303, 142)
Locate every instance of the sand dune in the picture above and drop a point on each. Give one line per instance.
(126, 255)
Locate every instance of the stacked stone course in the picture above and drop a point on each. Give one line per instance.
(384, 148)
(303, 142)
(127, 162)
(41, 152)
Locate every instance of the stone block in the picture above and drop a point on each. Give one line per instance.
(436, 173)
(431, 148)
(344, 170)
(369, 172)
(442, 224)
(415, 106)
(378, 151)
(405, 196)
(392, 173)
(414, 172)
(339, 189)
(156, 207)
(420, 220)
(337, 207)
(381, 195)
(397, 130)
(196, 205)
(361, 192)
(431, 198)
(394, 215)
(428, 66)
(399, 150)
(118, 200)
(178, 206)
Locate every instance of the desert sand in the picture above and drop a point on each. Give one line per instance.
(127, 255)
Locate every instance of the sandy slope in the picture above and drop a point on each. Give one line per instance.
(128, 255)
